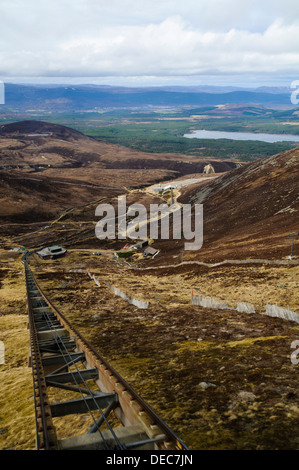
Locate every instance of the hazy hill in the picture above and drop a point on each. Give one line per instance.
(87, 97)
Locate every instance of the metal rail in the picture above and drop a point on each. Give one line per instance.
(62, 359)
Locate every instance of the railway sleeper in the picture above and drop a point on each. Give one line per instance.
(54, 360)
(51, 362)
(73, 377)
(81, 405)
(47, 322)
(72, 388)
(55, 345)
(52, 333)
(41, 309)
(36, 298)
(44, 317)
(68, 361)
(130, 437)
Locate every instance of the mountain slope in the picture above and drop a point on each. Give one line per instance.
(23, 128)
(38, 146)
(250, 211)
(46, 168)
(25, 198)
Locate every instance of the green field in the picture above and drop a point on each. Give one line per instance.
(162, 130)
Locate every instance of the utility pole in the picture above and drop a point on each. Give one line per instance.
(292, 236)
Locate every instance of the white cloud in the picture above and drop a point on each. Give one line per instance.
(149, 37)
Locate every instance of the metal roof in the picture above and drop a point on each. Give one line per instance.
(150, 251)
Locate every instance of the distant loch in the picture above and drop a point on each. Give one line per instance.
(271, 138)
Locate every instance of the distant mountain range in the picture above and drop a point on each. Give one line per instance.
(19, 97)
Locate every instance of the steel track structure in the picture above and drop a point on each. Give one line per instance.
(62, 360)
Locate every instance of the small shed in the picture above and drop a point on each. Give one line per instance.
(52, 252)
(150, 251)
(140, 245)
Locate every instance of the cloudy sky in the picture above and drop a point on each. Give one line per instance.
(237, 42)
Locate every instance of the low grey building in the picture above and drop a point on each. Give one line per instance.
(52, 252)
(149, 251)
(140, 245)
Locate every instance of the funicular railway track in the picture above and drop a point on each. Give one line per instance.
(62, 359)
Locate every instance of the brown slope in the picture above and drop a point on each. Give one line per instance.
(46, 168)
(250, 211)
(45, 147)
(23, 128)
(26, 199)
(45, 155)
(37, 145)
